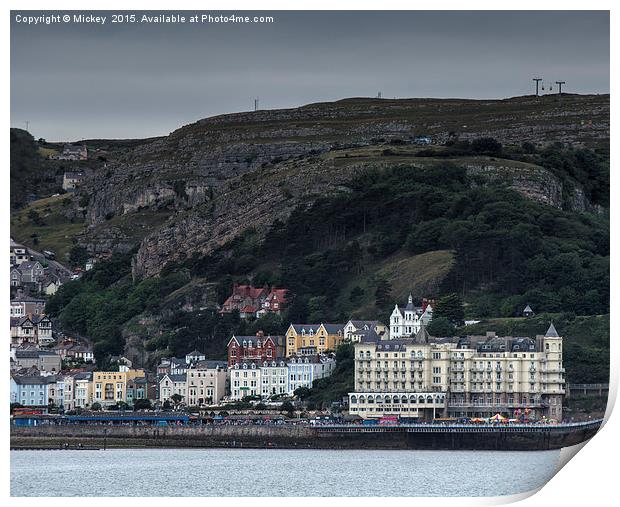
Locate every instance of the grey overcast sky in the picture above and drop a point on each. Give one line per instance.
(80, 81)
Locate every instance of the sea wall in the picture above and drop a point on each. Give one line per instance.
(292, 437)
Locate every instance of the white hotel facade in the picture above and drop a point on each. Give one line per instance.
(475, 376)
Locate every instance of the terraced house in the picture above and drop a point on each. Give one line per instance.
(110, 387)
(206, 382)
(473, 376)
(258, 348)
(313, 339)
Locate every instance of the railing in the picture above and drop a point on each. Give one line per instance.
(460, 428)
(495, 405)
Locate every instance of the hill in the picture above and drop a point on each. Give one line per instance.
(507, 206)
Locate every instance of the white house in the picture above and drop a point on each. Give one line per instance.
(169, 385)
(245, 380)
(274, 378)
(408, 321)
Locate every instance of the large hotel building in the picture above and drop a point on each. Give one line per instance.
(474, 376)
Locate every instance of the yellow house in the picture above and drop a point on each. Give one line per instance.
(309, 339)
(110, 387)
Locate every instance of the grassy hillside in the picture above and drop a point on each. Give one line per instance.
(419, 275)
(43, 226)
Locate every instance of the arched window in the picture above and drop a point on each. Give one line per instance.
(379, 399)
(429, 399)
(362, 399)
(404, 399)
(395, 399)
(413, 399)
(371, 399)
(354, 399)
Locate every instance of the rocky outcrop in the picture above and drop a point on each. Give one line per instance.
(535, 183)
(197, 173)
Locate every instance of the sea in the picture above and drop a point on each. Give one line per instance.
(278, 472)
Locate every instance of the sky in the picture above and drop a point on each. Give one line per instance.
(73, 81)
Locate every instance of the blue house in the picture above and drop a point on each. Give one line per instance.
(32, 390)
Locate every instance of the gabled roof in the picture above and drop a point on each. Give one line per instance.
(175, 378)
(278, 295)
(28, 265)
(368, 335)
(551, 332)
(361, 323)
(409, 307)
(527, 309)
(306, 327)
(422, 335)
(34, 379)
(333, 328)
(207, 364)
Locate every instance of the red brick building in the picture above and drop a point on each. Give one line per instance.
(253, 302)
(244, 296)
(257, 348)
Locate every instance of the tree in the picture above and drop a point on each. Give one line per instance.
(317, 309)
(450, 307)
(357, 293)
(383, 295)
(122, 405)
(287, 406)
(96, 407)
(486, 146)
(78, 255)
(176, 399)
(440, 326)
(142, 404)
(302, 392)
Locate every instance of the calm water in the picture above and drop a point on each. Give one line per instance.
(236, 472)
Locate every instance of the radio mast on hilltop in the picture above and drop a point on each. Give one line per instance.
(537, 80)
(560, 83)
(256, 104)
